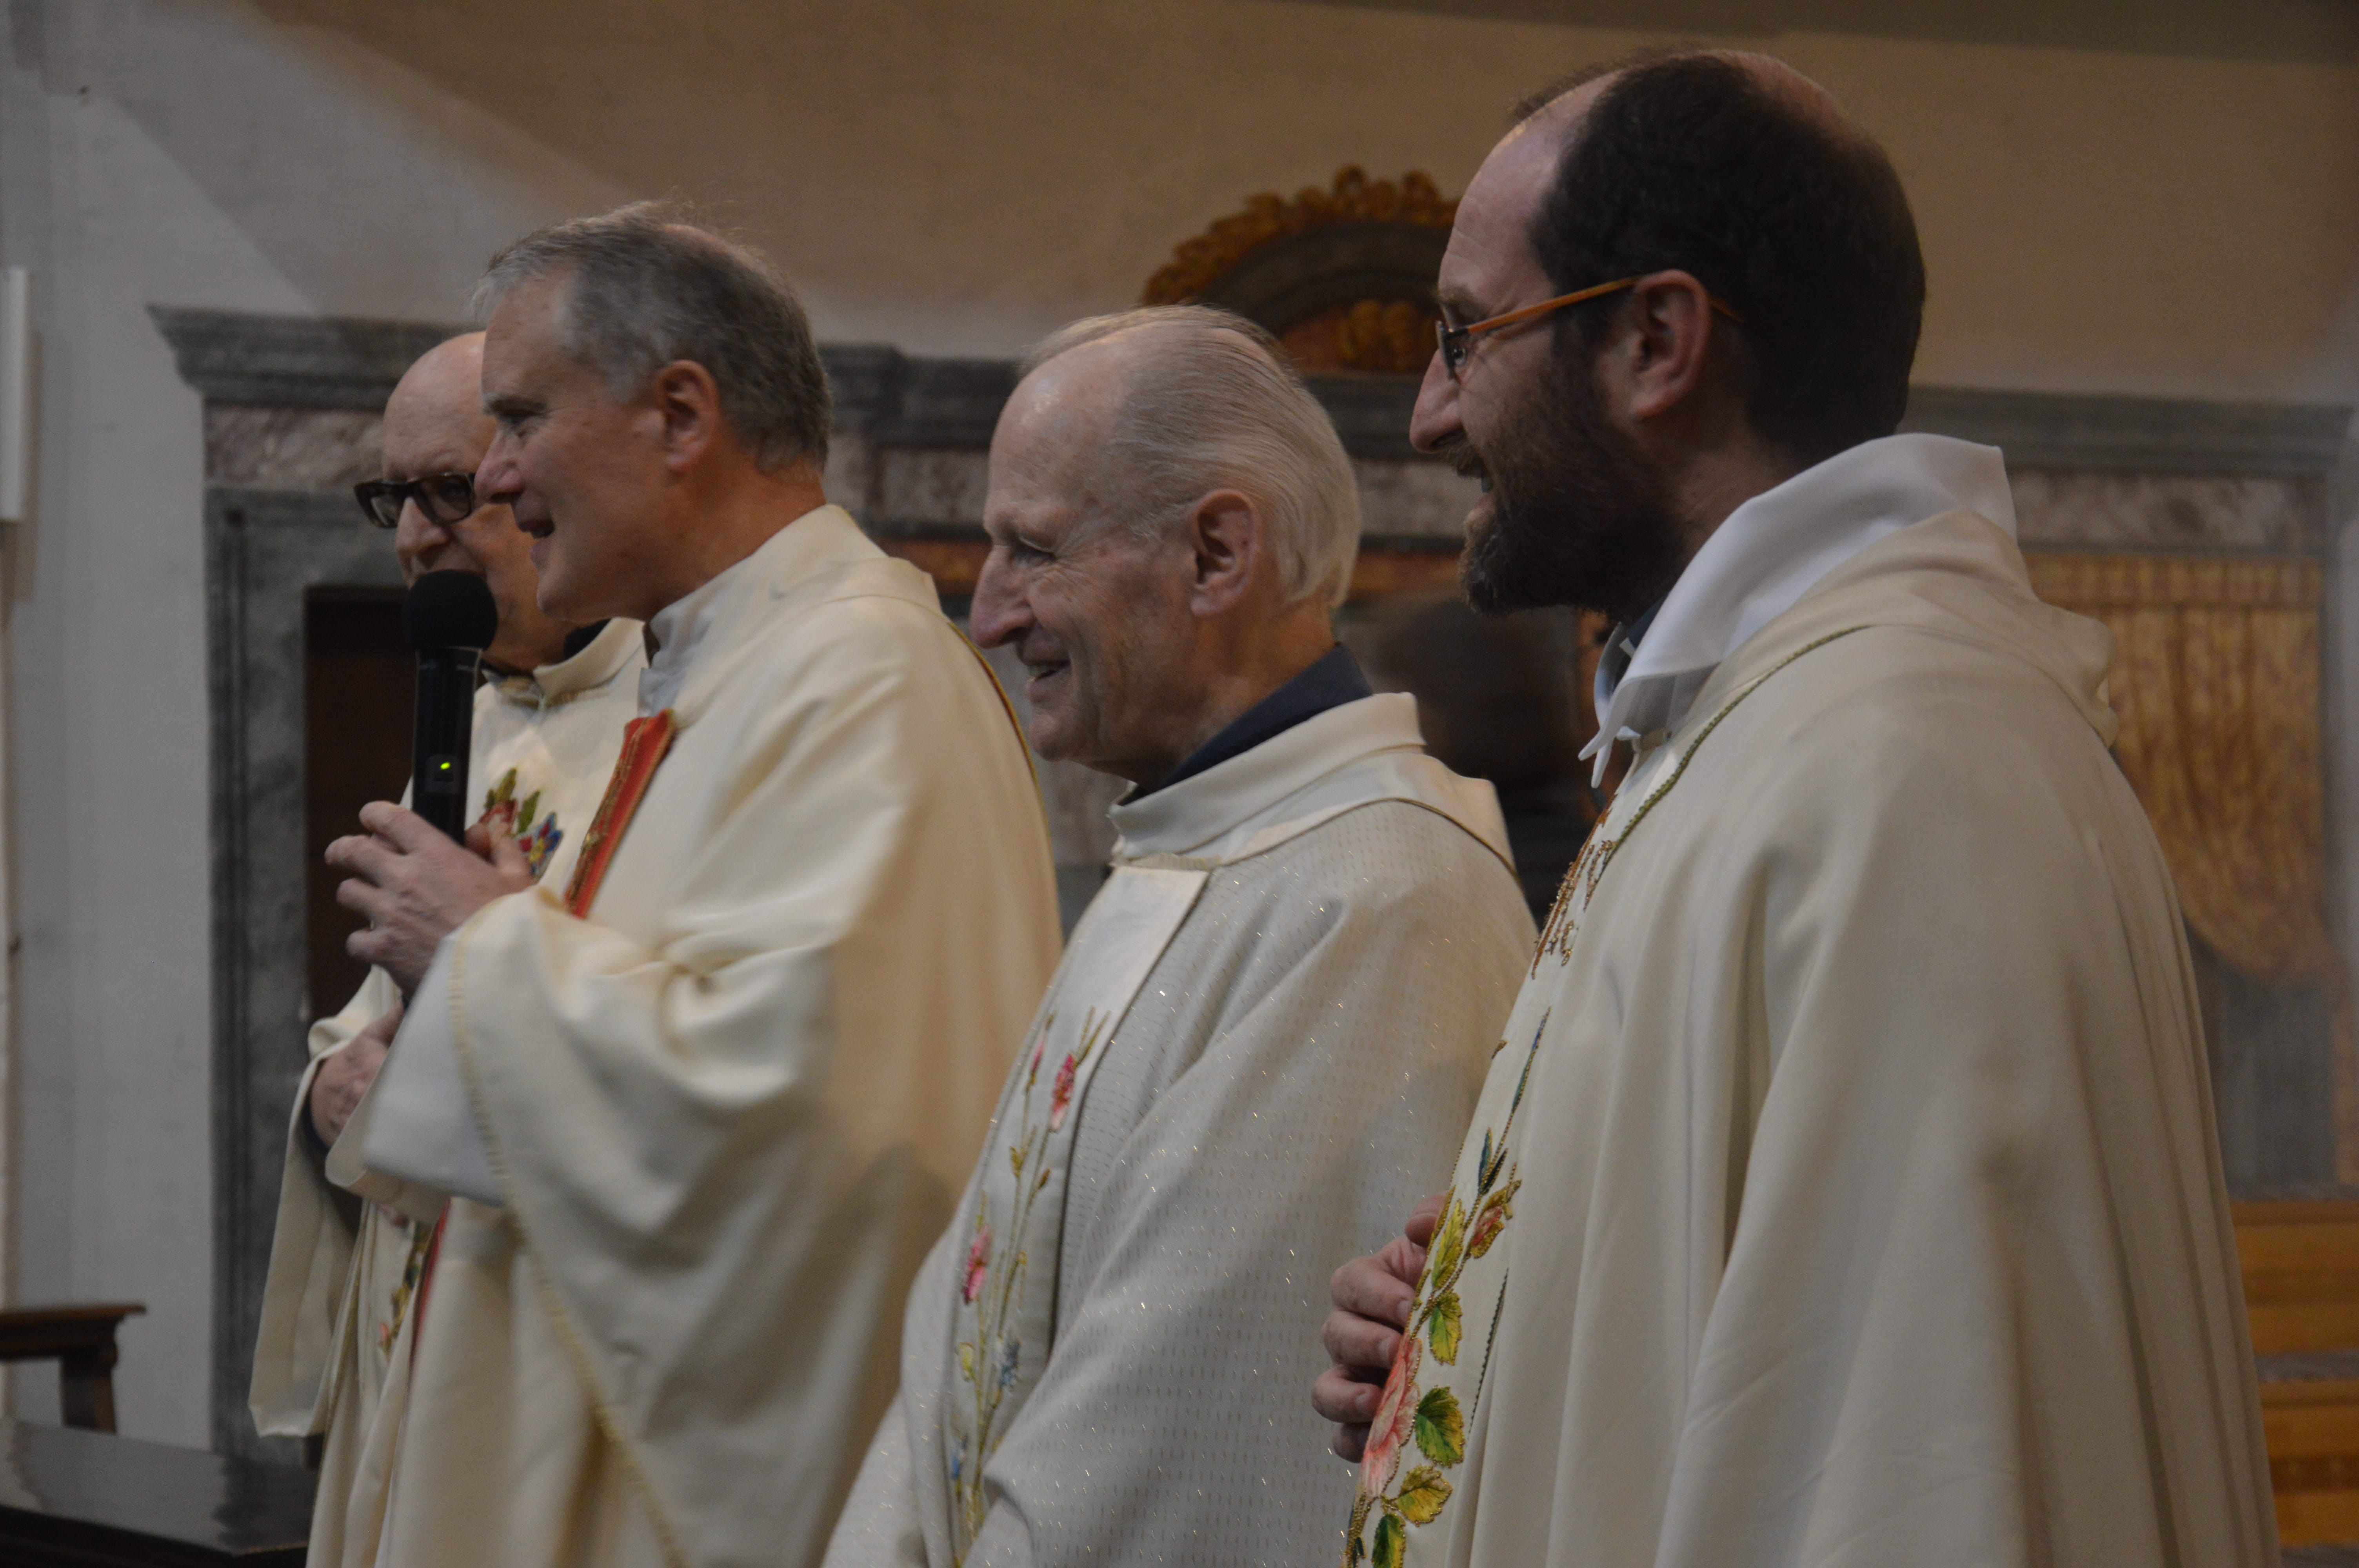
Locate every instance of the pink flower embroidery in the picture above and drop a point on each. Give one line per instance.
(978, 1262)
(1394, 1418)
(1061, 1098)
(1487, 1226)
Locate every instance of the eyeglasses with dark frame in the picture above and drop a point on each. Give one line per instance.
(1458, 342)
(444, 498)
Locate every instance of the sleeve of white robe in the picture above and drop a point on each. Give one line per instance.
(311, 1245)
(1953, 1325)
(1331, 1098)
(716, 1142)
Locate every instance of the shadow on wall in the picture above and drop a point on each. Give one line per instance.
(1502, 698)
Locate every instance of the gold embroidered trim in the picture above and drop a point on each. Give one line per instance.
(1589, 868)
(1169, 864)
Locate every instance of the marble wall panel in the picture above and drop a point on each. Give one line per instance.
(920, 487)
(912, 486)
(851, 476)
(1413, 499)
(260, 448)
(2168, 511)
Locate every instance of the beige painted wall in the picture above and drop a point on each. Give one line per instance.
(959, 176)
(951, 175)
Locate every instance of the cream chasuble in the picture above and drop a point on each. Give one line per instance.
(1845, 1190)
(727, 1109)
(342, 1272)
(1259, 1049)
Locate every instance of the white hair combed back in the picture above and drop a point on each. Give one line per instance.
(1208, 405)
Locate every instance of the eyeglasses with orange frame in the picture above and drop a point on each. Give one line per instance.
(1458, 342)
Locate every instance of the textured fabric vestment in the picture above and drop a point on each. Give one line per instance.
(344, 1273)
(728, 1110)
(1847, 1189)
(1258, 1053)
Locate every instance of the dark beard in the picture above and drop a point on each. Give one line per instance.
(1578, 516)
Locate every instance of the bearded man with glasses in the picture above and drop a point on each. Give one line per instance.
(333, 1355)
(1844, 1188)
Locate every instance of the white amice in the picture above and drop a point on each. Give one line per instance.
(1258, 1053)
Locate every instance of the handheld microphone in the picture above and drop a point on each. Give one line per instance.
(448, 619)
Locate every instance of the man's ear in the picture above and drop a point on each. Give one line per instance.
(688, 400)
(1661, 351)
(1224, 539)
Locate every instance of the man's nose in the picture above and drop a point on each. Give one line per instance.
(997, 613)
(1435, 420)
(417, 536)
(500, 479)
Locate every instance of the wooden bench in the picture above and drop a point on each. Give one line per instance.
(81, 1340)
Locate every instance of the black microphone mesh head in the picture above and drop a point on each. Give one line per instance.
(449, 610)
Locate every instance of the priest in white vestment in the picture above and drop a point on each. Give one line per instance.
(1846, 1192)
(1269, 1025)
(547, 725)
(701, 1113)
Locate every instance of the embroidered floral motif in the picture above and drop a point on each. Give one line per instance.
(1420, 1413)
(993, 1281)
(421, 1239)
(978, 1262)
(1061, 1098)
(537, 841)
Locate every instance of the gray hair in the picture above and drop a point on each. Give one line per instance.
(647, 288)
(1211, 406)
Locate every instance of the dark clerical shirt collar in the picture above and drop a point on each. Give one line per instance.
(1334, 681)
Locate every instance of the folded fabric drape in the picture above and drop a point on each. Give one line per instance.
(2216, 677)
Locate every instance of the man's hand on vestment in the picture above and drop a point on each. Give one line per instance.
(1372, 1295)
(345, 1075)
(415, 886)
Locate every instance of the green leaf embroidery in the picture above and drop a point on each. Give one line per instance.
(1440, 1429)
(1422, 1493)
(1441, 1325)
(1392, 1536)
(1445, 1257)
(1355, 1547)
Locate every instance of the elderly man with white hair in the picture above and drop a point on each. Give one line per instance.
(1269, 1025)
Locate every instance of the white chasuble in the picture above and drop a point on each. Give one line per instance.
(726, 1107)
(343, 1272)
(1019, 1208)
(1845, 1189)
(1258, 1053)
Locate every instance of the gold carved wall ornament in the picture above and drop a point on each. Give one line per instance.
(1342, 277)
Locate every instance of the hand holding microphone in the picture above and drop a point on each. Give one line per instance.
(410, 874)
(448, 619)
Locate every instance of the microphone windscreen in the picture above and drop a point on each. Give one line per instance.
(449, 610)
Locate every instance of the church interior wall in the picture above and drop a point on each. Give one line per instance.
(946, 177)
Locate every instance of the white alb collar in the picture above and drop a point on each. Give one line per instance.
(1351, 755)
(600, 661)
(1775, 548)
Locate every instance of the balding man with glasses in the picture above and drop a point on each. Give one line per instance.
(336, 1323)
